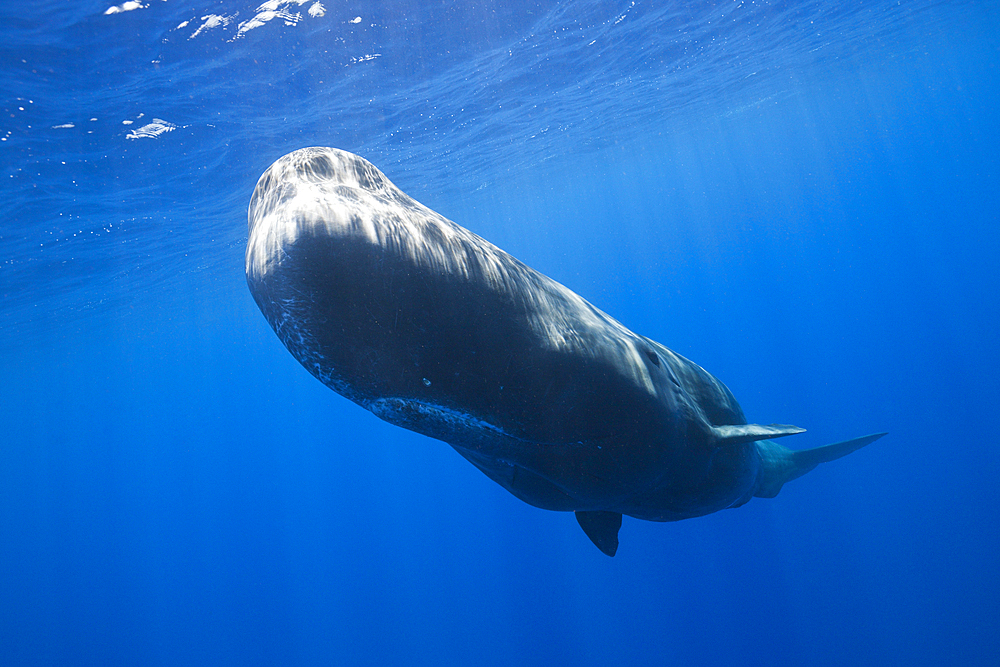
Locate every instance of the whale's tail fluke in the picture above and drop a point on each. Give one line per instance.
(779, 464)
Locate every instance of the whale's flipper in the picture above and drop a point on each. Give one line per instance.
(780, 464)
(601, 528)
(738, 434)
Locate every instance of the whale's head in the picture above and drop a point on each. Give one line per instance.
(309, 191)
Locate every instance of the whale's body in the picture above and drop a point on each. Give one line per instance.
(436, 330)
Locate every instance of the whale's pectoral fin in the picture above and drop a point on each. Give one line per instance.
(738, 434)
(601, 528)
(780, 464)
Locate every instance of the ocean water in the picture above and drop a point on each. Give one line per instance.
(802, 197)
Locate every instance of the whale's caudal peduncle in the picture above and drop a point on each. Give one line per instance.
(435, 329)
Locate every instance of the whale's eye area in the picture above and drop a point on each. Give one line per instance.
(653, 357)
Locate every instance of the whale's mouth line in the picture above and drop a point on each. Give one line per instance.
(409, 412)
(474, 438)
(458, 428)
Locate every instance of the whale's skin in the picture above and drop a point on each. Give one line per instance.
(434, 329)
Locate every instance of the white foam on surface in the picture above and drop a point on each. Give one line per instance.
(210, 21)
(152, 130)
(125, 7)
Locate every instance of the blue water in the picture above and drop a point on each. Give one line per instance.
(802, 197)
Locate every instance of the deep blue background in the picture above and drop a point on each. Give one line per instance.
(803, 199)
